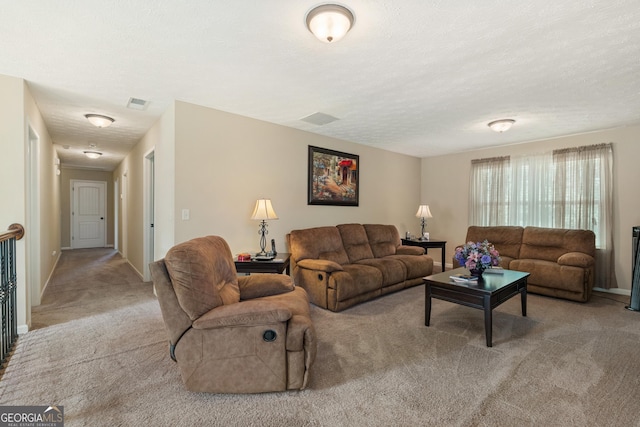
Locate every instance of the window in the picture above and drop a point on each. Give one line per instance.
(569, 188)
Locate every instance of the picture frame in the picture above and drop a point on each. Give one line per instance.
(334, 178)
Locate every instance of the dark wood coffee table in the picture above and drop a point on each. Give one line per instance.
(487, 293)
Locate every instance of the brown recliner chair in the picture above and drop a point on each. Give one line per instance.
(230, 334)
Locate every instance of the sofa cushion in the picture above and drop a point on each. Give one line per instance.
(417, 265)
(549, 274)
(318, 243)
(355, 242)
(506, 239)
(551, 243)
(383, 239)
(356, 279)
(203, 275)
(393, 271)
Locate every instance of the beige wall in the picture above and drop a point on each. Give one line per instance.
(47, 244)
(66, 176)
(218, 164)
(33, 267)
(225, 162)
(446, 188)
(130, 175)
(12, 178)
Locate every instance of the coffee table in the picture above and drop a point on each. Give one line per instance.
(487, 293)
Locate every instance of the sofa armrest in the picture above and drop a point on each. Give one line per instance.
(319, 264)
(409, 250)
(262, 285)
(247, 313)
(576, 259)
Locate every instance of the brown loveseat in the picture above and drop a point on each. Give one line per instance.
(231, 334)
(561, 261)
(344, 265)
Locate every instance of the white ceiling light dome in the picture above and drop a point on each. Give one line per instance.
(329, 22)
(100, 121)
(501, 125)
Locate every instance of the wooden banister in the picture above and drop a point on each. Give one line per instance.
(14, 230)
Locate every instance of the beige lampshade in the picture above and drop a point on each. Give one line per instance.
(424, 212)
(263, 210)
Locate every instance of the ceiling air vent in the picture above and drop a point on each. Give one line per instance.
(319, 119)
(137, 104)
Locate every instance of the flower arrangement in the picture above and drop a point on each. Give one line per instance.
(477, 256)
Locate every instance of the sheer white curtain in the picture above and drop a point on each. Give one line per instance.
(568, 188)
(584, 191)
(531, 190)
(489, 191)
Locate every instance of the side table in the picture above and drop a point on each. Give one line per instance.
(426, 244)
(278, 265)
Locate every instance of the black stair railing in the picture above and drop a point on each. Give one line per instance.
(8, 290)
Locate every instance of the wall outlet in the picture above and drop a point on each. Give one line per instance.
(185, 214)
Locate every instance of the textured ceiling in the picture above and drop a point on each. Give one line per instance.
(414, 77)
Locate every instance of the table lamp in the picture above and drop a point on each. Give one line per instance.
(423, 213)
(262, 212)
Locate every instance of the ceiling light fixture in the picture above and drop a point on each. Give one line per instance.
(98, 120)
(502, 125)
(329, 22)
(92, 154)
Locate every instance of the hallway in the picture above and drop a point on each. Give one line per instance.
(87, 282)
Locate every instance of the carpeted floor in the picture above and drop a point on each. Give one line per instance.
(98, 347)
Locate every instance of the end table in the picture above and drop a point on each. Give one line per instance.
(426, 244)
(278, 265)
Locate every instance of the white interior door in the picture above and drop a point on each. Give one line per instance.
(88, 214)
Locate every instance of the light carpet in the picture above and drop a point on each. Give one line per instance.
(99, 348)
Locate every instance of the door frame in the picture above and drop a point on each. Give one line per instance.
(73, 199)
(148, 212)
(33, 220)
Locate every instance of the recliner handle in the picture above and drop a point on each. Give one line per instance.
(172, 346)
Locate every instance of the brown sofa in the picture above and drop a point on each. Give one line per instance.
(561, 262)
(231, 334)
(344, 265)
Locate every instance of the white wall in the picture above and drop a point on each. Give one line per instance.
(446, 188)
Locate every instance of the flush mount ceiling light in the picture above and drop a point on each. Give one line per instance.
(99, 120)
(329, 22)
(92, 154)
(501, 125)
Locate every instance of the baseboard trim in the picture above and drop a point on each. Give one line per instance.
(22, 329)
(46, 283)
(65, 249)
(135, 269)
(616, 291)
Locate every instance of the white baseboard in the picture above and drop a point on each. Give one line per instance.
(22, 329)
(616, 291)
(65, 249)
(135, 269)
(46, 283)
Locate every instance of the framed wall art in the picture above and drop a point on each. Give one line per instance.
(333, 178)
